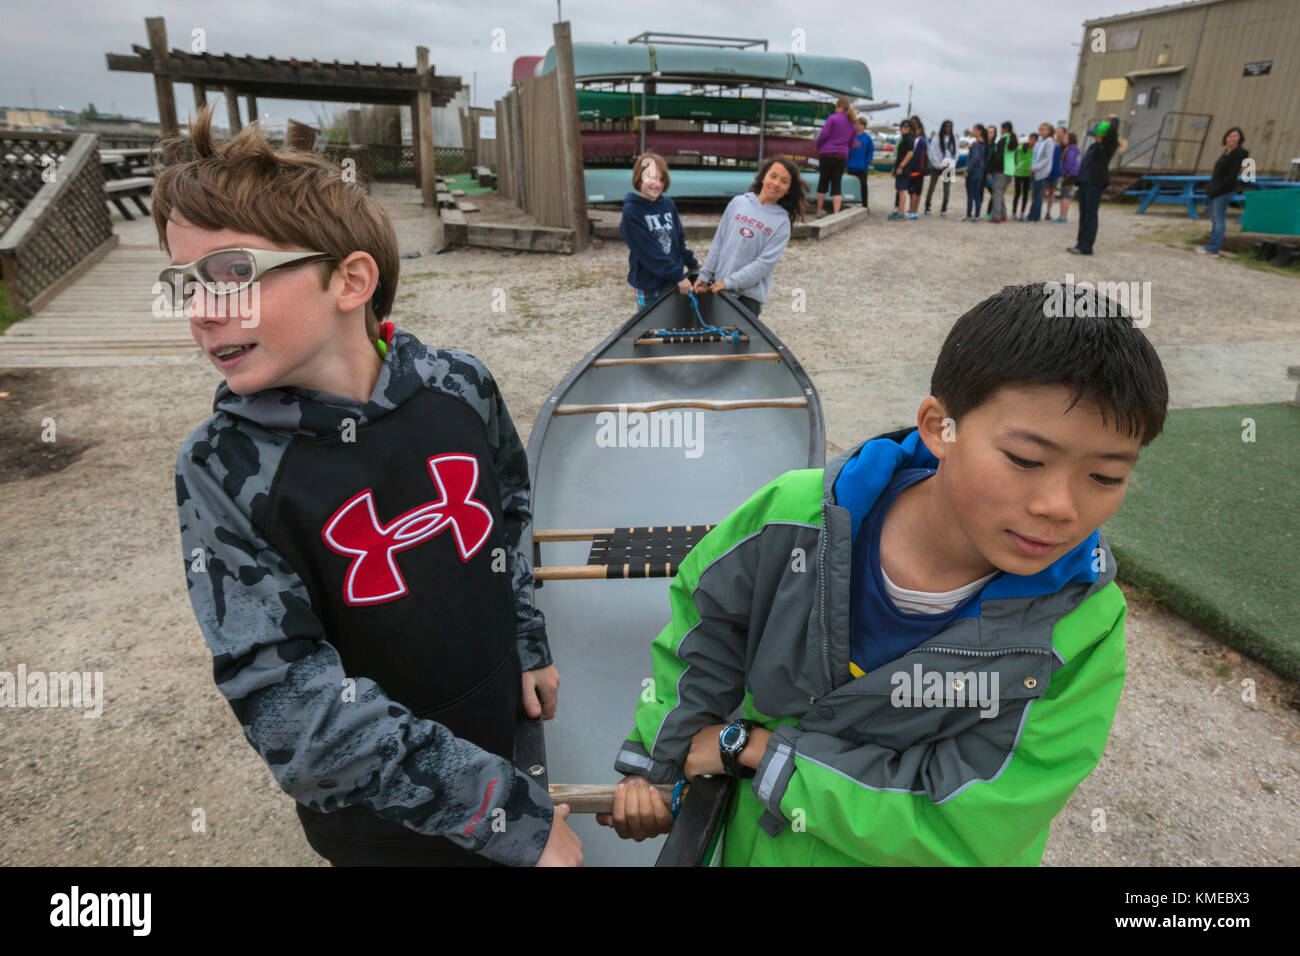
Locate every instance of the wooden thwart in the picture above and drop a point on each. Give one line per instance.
(651, 552)
(596, 797)
(713, 405)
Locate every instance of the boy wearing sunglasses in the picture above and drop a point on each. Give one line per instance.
(351, 520)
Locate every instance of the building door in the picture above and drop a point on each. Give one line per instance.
(1153, 99)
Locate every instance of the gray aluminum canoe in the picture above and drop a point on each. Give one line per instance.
(590, 470)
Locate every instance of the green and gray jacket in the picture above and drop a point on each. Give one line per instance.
(862, 770)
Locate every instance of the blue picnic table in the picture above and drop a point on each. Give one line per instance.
(1189, 191)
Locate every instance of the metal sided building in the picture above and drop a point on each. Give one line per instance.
(1180, 75)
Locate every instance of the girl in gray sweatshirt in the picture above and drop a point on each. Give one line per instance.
(752, 235)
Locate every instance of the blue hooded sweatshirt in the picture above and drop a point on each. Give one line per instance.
(656, 243)
(875, 470)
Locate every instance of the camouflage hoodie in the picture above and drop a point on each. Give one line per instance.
(358, 571)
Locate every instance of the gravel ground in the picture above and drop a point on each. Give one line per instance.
(90, 577)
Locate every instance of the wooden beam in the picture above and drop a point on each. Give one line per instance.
(597, 797)
(688, 359)
(250, 106)
(455, 232)
(713, 405)
(232, 110)
(570, 137)
(505, 172)
(200, 95)
(829, 225)
(518, 175)
(414, 106)
(425, 102)
(156, 28)
(532, 239)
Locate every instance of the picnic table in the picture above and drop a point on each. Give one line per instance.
(126, 176)
(1189, 191)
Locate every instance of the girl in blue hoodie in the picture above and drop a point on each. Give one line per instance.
(657, 256)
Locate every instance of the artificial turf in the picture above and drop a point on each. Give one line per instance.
(1211, 526)
(466, 182)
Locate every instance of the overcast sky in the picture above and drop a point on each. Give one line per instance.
(968, 60)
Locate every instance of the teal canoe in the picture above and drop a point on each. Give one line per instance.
(611, 185)
(627, 61)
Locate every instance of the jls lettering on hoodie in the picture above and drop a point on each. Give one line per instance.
(747, 246)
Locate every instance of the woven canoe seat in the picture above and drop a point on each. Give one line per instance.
(645, 552)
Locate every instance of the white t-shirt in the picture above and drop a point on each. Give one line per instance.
(931, 602)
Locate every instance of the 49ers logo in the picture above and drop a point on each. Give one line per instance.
(354, 529)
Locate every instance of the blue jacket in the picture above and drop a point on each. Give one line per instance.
(864, 147)
(657, 255)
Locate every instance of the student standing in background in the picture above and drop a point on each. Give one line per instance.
(833, 144)
(943, 150)
(1069, 173)
(975, 174)
(859, 165)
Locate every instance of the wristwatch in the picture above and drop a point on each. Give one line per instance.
(731, 741)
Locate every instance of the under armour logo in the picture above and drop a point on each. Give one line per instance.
(355, 529)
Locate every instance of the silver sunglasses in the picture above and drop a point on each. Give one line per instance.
(225, 271)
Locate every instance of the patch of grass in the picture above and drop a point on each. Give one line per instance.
(1187, 235)
(8, 316)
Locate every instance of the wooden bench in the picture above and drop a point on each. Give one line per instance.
(134, 189)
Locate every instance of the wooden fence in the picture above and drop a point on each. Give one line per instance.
(531, 160)
(53, 213)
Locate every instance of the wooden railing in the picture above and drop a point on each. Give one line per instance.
(53, 215)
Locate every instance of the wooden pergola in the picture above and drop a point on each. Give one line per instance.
(416, 87)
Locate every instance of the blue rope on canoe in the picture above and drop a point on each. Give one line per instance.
(668, 334)
(679, 792)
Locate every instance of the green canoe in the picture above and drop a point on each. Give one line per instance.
(601, 105)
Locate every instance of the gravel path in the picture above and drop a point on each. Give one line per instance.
(91, 577)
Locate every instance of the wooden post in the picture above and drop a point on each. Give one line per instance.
(250, 107)
(354, 127)
(415, 143)
(503, 168)
(520, 157)
(232, 109)
(200, 95)
(428, 166)
(570, 137)
(156, 28)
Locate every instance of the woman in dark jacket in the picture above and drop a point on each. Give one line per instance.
(1222, 185)
(975, 174)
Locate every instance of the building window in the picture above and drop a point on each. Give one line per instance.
(1123, 39)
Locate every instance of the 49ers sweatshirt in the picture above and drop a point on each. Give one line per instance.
(359, 571)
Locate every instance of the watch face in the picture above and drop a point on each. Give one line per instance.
(730, 736)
